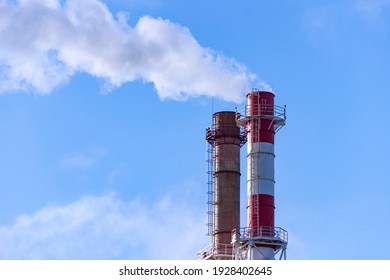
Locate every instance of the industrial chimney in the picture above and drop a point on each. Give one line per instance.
(225, 138)
(256, 122)
(261, 119)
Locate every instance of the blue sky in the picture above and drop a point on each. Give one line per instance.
(104, 105)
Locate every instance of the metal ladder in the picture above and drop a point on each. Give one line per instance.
(210, 189)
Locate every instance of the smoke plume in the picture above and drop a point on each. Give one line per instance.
(45, 42)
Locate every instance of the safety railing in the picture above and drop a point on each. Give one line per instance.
(215, 251)
(266, 111)
(271, 233)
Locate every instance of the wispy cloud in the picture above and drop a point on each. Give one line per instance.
(329, 18)
(45, 42)
(105, 227)
(82, 160)
(323, 20)
(372, 9)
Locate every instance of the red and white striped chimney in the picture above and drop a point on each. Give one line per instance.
(261, 124)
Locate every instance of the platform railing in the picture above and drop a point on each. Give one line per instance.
(216, 251)
(266, 111)
(271, 233)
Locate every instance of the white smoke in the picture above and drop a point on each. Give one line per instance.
(45, 42)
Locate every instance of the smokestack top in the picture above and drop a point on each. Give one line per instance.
(256, 91)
